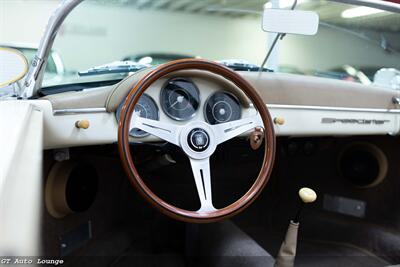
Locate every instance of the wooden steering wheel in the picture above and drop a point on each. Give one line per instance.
(186, 136)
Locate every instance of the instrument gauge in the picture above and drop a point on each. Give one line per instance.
(145, 108)
(222, 107)
(180, 99)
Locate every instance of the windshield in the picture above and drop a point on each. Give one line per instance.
(352, 42)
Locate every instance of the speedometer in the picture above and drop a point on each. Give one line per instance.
(180, 99)
(145, 108)
(222, 107)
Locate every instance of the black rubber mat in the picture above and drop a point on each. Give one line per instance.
(320, 252)
(133, 258)
(224, 244)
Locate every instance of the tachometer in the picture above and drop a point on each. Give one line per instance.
(146, 108)
(222, 107)
(180, 99)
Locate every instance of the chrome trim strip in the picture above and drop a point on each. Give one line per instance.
(34, 78)
(374, 110)
(78, 111)
(388, 6)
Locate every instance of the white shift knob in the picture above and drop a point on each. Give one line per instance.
(307, 195)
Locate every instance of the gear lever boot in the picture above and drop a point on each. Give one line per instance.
(287, 252)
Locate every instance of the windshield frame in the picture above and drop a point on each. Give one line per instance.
(34, 78)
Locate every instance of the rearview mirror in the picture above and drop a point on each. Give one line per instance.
(290, 21)
(13, 66)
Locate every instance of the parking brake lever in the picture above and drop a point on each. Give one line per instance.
(287, 252)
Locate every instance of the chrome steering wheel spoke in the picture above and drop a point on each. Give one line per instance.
(166, 131)
(202, 178)
(229, 130)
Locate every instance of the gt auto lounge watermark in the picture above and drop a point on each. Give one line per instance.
(29, 261)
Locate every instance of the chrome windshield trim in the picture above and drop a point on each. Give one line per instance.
(73, 111)
(374, 110)
(384, 5)
(34, 78)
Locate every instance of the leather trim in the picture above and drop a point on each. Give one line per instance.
(301, 90)
(91, 98)
(121, 90)
(274, 88)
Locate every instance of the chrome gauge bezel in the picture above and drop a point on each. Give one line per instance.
(118, 113)
(162, 102)
(221, 92)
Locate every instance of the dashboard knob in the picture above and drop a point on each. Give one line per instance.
(279, 120)
(82, 124)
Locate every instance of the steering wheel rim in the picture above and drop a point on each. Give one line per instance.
(134, 177)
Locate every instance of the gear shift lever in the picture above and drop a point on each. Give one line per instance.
(287, 252)
(307, 195)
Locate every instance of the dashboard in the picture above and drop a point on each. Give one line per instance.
(182, 99)
(309, 106)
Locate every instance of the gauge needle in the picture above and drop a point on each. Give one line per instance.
(179, 99)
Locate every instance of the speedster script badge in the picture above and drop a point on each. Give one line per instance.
(354, 121)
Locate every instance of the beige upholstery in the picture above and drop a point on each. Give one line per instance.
(292, 89)
(121, 90)
(91, 98)
(21, 142)
(274, 88)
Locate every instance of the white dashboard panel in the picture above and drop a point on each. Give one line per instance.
(320, 121)
(60, 130)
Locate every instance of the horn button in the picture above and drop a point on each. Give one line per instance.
(198, 140)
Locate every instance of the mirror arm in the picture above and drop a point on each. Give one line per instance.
(35, 74)
(278, 37)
